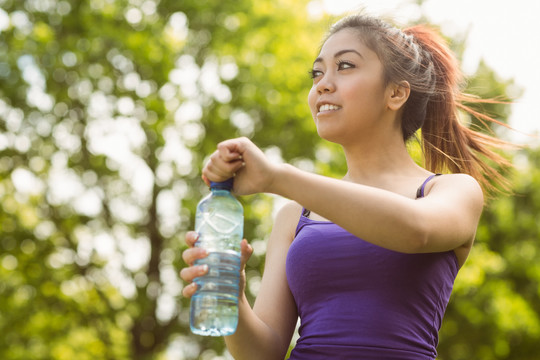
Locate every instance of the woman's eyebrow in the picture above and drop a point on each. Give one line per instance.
(339, 53)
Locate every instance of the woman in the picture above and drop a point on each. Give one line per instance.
(367, 262)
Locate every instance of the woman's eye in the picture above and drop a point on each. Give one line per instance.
(315, 73)
(342, 65)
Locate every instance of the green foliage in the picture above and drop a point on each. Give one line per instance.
(108, 109)
(494, 312)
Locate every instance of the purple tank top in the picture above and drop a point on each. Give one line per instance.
(357, 300)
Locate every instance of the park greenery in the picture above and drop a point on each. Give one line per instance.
(108, 109)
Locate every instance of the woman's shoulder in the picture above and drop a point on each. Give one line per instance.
(458, 179)
(290, 210)
(287, 217)
(457, 183)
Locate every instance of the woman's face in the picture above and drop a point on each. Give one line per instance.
(347, 98)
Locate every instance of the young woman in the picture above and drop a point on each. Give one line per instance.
(367, 262)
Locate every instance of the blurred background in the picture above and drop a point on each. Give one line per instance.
(108, 109)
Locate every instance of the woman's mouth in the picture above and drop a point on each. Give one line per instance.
(328, 107)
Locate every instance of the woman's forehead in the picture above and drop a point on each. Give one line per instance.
(345, 39)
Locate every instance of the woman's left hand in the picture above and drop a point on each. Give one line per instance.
(243, 160)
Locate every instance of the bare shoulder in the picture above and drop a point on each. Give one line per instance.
(289, 213)
(287, 217)
(459, 182)
(290, 208)
(460, 187)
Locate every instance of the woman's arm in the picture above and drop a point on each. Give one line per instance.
(444, 220)
(266, 331)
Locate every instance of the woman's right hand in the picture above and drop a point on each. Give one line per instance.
(242, 159)
(188, 274)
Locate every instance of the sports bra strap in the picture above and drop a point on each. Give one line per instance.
(420, 191)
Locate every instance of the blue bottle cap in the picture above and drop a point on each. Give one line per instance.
(227, 184)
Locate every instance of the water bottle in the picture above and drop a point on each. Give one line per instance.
(219, 222)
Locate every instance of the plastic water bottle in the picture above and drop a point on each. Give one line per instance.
(219, 222)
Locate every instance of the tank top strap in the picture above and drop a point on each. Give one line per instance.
(302, 221)
(420, 191)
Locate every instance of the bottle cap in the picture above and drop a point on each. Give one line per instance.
(227, 184)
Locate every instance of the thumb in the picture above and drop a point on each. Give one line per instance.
(246, 251)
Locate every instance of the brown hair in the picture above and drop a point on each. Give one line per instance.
(420, 56)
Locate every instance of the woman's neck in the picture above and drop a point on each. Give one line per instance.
(374, 162)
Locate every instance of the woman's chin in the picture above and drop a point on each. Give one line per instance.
(328, 135)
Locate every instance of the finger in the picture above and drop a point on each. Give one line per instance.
(205, 179)
(216, 164)
(232, 149)
(192, 272)
(191, 238)
(189, 290)
(246, 251)
(238, 165)
(229, 155)
(190, 255)
(218, 169)
(225, 156)
(212, 173)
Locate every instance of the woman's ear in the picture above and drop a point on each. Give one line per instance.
(398, 94)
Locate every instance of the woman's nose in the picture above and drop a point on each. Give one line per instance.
(325, 84)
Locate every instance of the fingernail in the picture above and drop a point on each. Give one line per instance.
(203, 269)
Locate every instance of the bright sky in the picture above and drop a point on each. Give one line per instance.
(502, 32)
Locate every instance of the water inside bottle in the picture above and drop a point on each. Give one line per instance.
(215, 304)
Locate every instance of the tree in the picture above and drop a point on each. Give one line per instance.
(107, 110)
(494, 312)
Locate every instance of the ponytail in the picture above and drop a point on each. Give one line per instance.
(449, 145)
(420, 56)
